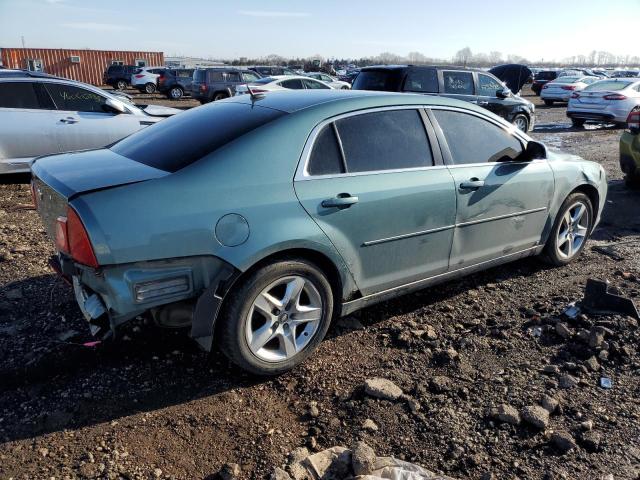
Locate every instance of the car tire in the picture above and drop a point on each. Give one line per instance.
(175, 93)
(521, 121)
(548, 103)
(121, 85)
(267, 343)
(632, 181)
(578, 122)
(570, 230)
(150, 88)
(220, 96)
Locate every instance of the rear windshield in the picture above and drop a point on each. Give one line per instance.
(200, 76)
(181, 140)
(567, 79)
(608, 85)
(381, 80)
(546, 75)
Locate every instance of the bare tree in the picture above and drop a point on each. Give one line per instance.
(463, 56)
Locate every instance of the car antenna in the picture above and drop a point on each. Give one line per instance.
(254, 96)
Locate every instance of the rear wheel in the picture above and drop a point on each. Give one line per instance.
(522, 122)
(220, 96)
(548, 103)
(277, 317)
(149, 87)
(176, 93)
(121, 85)
(578, 122)
(570, 230)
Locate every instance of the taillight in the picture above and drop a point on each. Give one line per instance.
(161, 79)
(72, 238)
(575, 95)
(569, 87)
(139, 76)
(633, 120)
(204, 87)
(615, 96)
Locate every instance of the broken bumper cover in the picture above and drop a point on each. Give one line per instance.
(113, 295)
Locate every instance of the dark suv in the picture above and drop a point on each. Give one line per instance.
(475, 86)
(270, 70)
(211, 84)
(175, 83)
(541, 78)
(118, 76)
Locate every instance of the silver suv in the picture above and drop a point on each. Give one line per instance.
(41, 114)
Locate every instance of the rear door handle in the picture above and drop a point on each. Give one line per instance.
(472, 184)
(342, 200)
(68, 120)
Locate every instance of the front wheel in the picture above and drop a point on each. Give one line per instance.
(521, 122)
(570, 230)
(276, 317)
(149, 88)
(176, 93)
(121, 85)
(548, 103)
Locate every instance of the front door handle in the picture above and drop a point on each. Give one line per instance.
(483, 103)
(68, 120)
(342, 200)
(472, 184)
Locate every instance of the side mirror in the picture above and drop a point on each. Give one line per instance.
(115, 106)
(534, 151)
(503, 93)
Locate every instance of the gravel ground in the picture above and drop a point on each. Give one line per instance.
(477, 360)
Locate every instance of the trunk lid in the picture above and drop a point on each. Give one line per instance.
(71, 174)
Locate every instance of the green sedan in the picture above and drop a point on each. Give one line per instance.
(630, 150)
(256, 220)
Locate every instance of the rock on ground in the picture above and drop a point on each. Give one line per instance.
(382, 388)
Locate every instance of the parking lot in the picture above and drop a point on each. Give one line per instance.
(154, 406)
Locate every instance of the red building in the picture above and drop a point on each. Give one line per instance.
(83, 65)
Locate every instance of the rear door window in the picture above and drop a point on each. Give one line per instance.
(472, 139)
(233, 77)
(487, 85)
(76, 99)
(294, 84)
(27, 95)
(458, 83)
(387, 140)
(215, 76)
(180, 140)
(422, 80)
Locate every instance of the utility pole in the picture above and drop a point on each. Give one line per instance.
(22, 37)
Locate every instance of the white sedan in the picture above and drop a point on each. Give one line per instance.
(282, 82)
(561, 89)
(329, 80)
(609, 100)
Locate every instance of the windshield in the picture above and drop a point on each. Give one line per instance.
(608, 85)
(382, 80)
(183, 139)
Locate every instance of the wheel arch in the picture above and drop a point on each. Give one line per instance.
(594, 197)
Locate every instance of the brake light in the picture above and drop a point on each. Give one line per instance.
(161, 78)
(139, 76)
(72, 238)
(615, 96)
(633, 120)
(204, 88)
(569, 87)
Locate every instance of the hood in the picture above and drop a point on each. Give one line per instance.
(159, 110)
(514, 75)
(71, 174)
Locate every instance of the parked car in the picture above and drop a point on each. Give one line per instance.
(609, 100)
(541, 78)
(561, 89)
(280, 83)
(118, 76)
(300, 207)
(175, 83)
(329, 80)
(41, 114)
(271, 70)
(212, 84)
(473, 86)
(625, 74)
(630, 150)
(145, 79)
(349, 76)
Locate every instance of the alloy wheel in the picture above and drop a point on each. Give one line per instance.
(521, 123)
(283, 318)
(573, 230)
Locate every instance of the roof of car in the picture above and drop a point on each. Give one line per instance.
(4, 73)
(291, 101)
(402, 67)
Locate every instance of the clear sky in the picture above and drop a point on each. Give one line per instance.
(535, 29)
